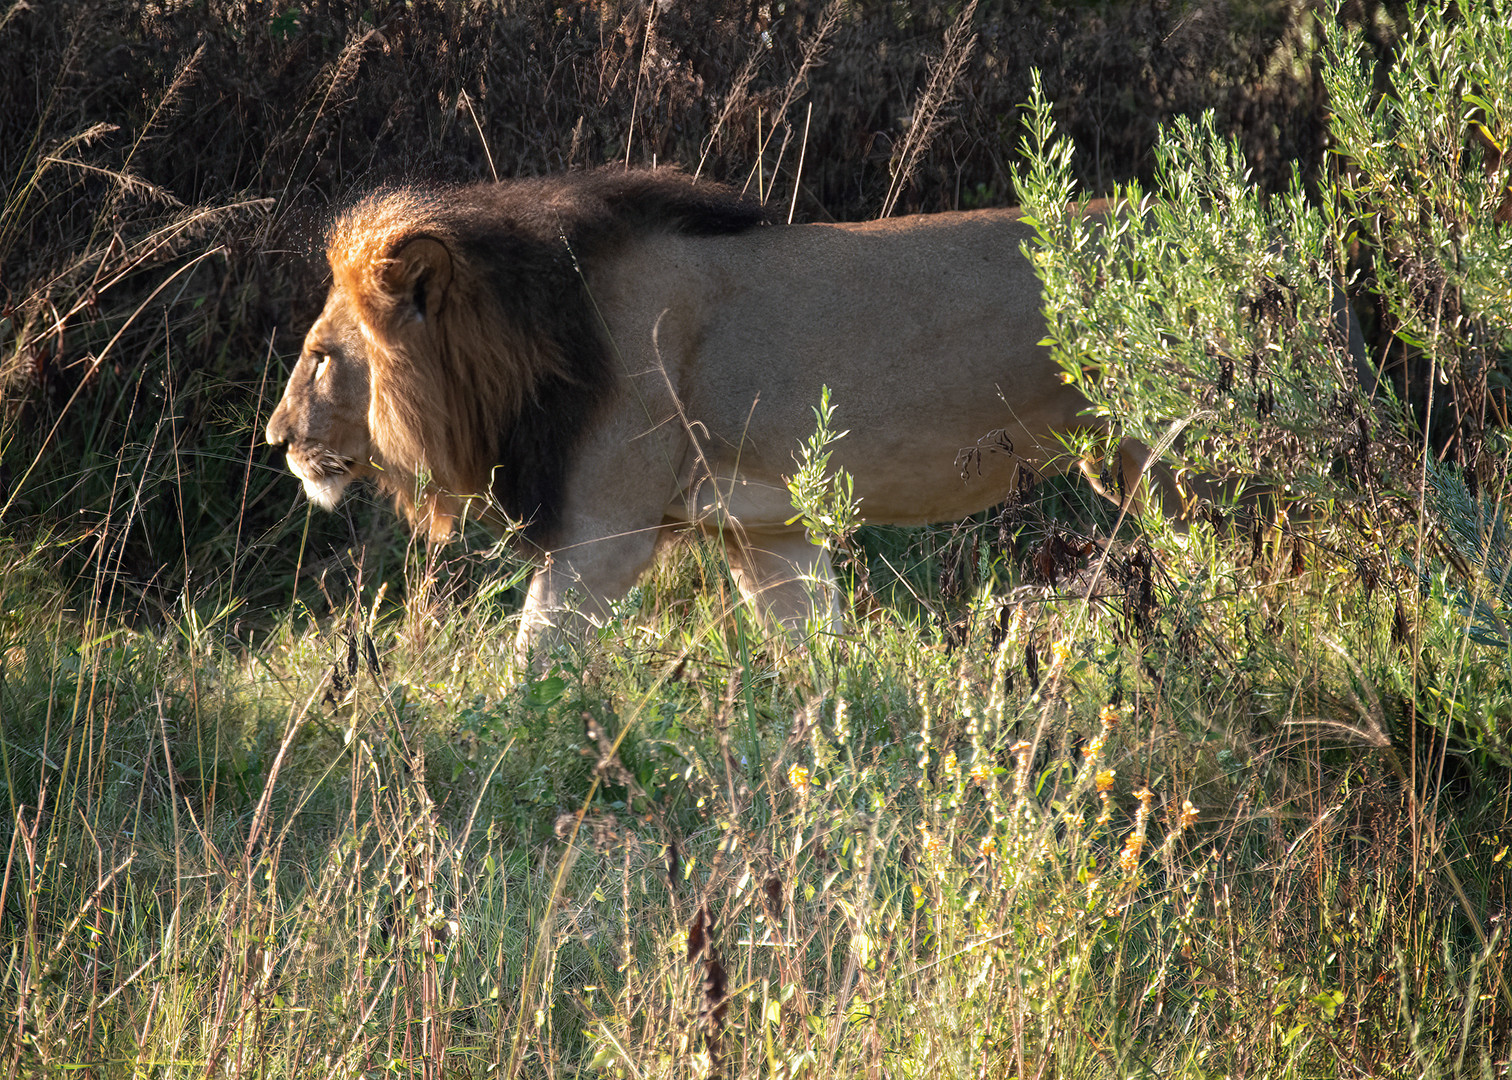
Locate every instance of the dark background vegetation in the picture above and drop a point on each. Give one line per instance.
(169, 166)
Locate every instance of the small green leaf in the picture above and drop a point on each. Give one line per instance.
(545, 692)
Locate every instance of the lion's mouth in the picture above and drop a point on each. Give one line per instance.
(324, 473)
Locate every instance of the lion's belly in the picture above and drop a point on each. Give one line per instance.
(757, 502)
(911, 473)
(906, 496)
(939, 419)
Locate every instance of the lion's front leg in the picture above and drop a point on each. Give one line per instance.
(786, 579)
(575, 589)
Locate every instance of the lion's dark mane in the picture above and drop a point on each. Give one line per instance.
(534, 235)
(532, 240)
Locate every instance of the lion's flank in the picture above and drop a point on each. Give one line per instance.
(485, 360)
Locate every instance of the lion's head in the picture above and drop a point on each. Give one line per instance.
(458, 355)
(322, 421)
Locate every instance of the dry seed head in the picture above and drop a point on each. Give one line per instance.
(1022, 759)
(1142, 815)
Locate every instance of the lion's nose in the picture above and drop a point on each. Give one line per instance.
(279, 432)
(278, 429)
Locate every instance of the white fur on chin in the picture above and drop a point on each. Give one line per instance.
(325, 492)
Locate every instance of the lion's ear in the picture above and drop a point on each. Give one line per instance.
(417, 276)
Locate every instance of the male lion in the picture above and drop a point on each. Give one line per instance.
(607, 356)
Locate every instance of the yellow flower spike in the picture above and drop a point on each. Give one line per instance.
(1188, 814)
(1104, 779)
(988, 846)
(1109, 717)
(798, 777)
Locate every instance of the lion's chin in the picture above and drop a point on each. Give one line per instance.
(325, 492)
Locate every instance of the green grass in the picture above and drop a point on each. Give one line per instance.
(279, 857)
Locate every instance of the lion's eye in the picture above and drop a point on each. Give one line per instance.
(321, 365)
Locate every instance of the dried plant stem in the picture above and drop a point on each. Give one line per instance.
(802, 152)
(640, 73)
(466, 99)
(938, 92)
(814, 50)
(732, 99)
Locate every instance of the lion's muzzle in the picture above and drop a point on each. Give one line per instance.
(324, 473)
(321, 424)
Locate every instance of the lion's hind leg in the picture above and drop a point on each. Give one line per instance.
(1146, 482)
(786, 579)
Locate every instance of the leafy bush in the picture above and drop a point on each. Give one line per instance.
(1427, 190)
(1207, 320)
